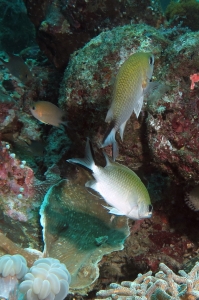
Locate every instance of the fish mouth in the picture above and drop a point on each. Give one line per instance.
(148, 212)
(146, 216)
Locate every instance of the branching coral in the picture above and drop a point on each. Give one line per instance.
(164, 285)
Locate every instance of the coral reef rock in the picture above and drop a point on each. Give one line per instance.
(87, 85)
(172, 123)
(21, 195)
(64, 26)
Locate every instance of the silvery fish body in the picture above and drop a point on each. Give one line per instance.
(131, 82)
(120, 187)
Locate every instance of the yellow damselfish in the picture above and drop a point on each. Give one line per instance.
(130, 85)
(48, 113)
(120, 187)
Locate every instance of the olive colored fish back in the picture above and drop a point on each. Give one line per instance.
(123, 176)
(128, 84)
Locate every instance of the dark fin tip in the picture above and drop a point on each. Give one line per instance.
(92, 151)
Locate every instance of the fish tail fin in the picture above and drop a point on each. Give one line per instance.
(109, 139)
(88, 161)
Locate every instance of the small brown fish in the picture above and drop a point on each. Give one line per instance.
(48, 113)
(18, 68)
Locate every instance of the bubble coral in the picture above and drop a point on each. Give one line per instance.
(48, 279)
(12, 269)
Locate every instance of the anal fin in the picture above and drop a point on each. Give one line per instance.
(138, 106)
(122, 127)
(109, 115)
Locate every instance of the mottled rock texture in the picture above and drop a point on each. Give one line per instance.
(88, 82)
(64, 26)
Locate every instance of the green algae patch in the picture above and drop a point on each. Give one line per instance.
(78, 231)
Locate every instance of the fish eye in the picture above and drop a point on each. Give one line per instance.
(33, 107)
(150, 208)
(151, 60)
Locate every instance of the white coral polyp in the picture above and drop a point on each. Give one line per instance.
(48, 280)
(13, 265)
(12, 269)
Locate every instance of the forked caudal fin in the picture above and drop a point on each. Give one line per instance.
(109, 139)
(88, 160)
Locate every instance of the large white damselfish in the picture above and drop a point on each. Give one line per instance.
(120, 187)
(131, 82)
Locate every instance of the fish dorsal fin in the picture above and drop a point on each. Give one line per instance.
(88, 160)
(108, 161)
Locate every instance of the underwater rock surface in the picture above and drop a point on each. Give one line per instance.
(172, 113)
(20, 196)
(172, 123)
(30, 139)
(64, 26)
(79, 231)
(161, 145)
(87, 85)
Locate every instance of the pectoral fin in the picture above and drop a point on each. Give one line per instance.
(151, 87)
(114, 211)
(92, 184)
